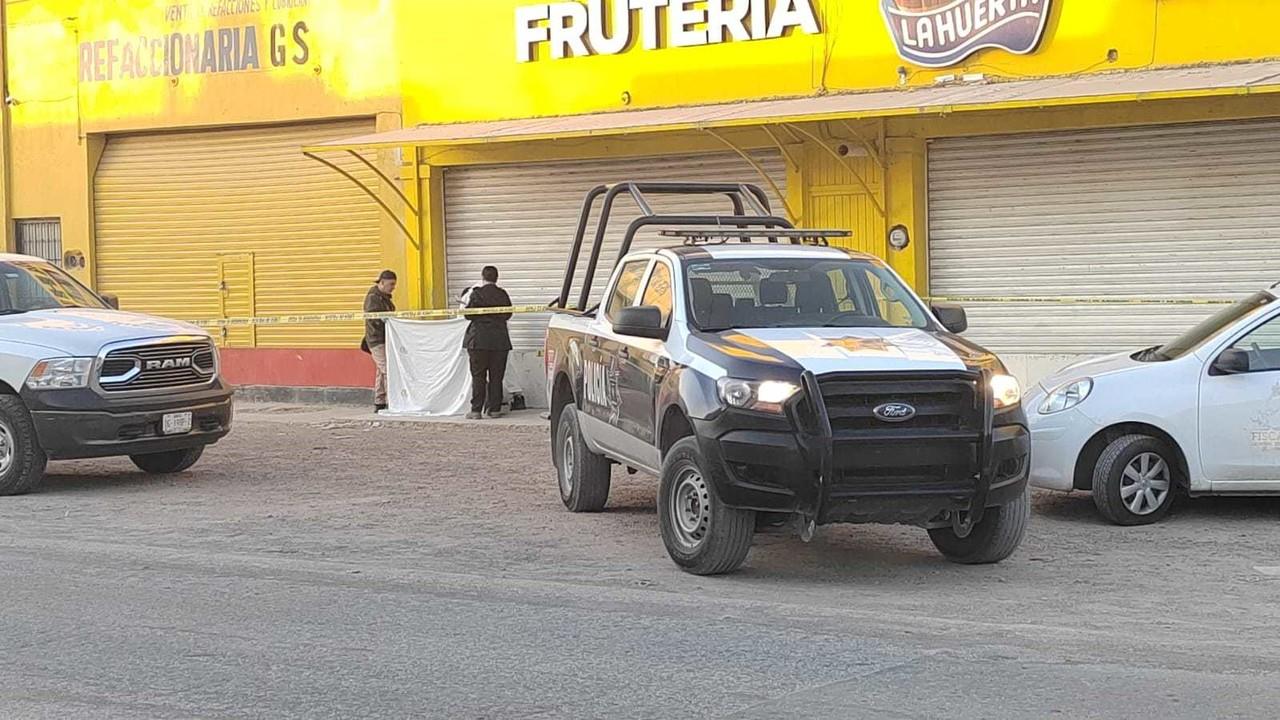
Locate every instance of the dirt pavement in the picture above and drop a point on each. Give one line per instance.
(321, 565)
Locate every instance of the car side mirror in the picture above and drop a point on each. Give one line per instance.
(952, 317)
(640, 321)
(1232, 361)
(110, 299)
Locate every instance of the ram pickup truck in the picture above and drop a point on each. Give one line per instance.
(81, 379)
(767, 378)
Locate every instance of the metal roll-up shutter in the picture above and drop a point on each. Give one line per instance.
(522, 219)
(1183, 212)
(222, 223)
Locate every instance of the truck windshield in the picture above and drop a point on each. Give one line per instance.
(27, 286)
(799, 292)
(1206, 330)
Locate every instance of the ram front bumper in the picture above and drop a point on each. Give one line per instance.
(73, 424)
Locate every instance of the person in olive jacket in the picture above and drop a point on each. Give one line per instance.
(487, 343)
(378, 300)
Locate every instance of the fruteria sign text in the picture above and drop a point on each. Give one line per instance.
(610, 27)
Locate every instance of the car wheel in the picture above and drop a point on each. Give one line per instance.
(584, 476)
(702, 535)
(993, 539)
(22, 461)
(167, 463)
(1133, 481)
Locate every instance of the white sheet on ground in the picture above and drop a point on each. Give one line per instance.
(427, 370)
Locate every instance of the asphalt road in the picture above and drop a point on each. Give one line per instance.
(340, 570)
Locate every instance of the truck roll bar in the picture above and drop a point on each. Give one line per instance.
(743, 196)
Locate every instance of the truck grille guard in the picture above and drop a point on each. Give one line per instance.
(817, 433)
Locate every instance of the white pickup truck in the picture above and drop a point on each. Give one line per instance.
(80, 379)
(765, 377)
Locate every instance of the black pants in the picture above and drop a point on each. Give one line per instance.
(488, 367)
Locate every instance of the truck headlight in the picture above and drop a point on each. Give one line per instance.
(1006, 391)
(1067, 396)
(766, 396)
(60, 373)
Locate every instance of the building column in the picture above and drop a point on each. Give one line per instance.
(426, 266)
(906, 189)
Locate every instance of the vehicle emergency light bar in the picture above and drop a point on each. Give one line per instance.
(742, 196)
(723, 235)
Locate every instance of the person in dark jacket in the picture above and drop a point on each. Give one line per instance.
(378, 300)
(488, 343)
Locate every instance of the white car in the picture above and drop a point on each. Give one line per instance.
(1200, 414)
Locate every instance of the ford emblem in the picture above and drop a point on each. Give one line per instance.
(894, 412)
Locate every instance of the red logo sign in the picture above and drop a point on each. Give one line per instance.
(939, 33)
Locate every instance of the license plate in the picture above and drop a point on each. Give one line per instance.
(175, 423)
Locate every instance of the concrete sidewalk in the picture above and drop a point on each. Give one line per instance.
(332, 415)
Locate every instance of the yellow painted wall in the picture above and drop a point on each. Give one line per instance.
(854, 52)
(76, 77)
(432, 61)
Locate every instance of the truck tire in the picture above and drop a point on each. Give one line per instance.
(584, 476)
(702, 535)
(22, 461)
(167, 463)
(1133, 482)
(993, 539)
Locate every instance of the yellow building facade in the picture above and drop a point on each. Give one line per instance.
(1028, 149)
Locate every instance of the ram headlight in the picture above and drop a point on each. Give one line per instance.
(1067, 396)
(60, 373)
(764, 396)
(1005, 391)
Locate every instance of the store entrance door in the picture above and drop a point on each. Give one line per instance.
(235, 298)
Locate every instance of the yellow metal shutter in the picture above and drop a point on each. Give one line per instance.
(217, 223)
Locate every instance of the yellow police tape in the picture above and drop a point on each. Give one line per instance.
(352, 316)
(525, 309)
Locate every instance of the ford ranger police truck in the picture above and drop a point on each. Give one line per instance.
(766, 377)
(81, 379)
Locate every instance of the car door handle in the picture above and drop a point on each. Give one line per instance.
(664, 364)
(593, 341)
(624, 353)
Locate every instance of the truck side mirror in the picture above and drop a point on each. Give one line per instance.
(640, 321)
(952, 317)
(111, 300)
(1232, 361)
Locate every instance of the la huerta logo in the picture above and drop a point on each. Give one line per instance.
(939, 33)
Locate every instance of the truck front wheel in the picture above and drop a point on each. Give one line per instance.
(993, 539)
(584, 475)
(22, 461)
(167, 463)
(702, 535)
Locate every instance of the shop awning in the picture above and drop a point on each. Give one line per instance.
(1126, 86)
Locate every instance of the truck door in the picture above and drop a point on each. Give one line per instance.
(643, 361)
(1240, 418)
(602, 365)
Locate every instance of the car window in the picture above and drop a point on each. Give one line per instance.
(28, 286)
(1263, 346)
(658, 291)
(890, 303)
(799, 292)
(1200, 334)
(624, 294)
